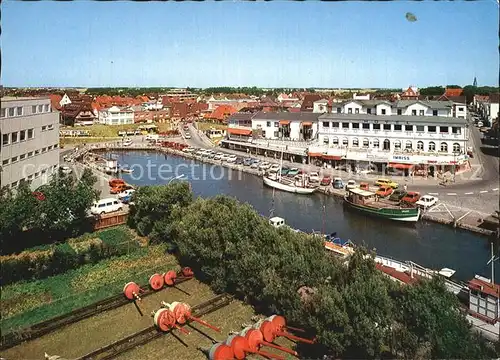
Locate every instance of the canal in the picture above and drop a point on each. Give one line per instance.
(426, 243)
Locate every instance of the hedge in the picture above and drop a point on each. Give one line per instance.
(48, 260)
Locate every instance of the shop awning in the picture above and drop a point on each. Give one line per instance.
(306, 123)
(401, 166)
(235, 131)
(331, 157)
(311, 154)
(284, 122)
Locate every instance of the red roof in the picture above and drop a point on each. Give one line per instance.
(54, 101)
(485, 287)
(401, 276)
(222, 112)
(236, 131)
(453, 92)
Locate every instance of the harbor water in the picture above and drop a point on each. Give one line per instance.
(428, 244)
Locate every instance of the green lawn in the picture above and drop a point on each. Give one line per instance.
(26, 303)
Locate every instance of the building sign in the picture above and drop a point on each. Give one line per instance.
(401, 158)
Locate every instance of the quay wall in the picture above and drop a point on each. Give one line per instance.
(470, 225)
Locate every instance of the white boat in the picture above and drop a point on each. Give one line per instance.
(291, 187)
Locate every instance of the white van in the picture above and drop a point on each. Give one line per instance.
(104, 206)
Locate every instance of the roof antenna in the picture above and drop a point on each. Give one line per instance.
(492, 261)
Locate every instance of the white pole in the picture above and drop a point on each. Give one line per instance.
(492, 265)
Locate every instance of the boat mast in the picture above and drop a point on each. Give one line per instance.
(271, 210)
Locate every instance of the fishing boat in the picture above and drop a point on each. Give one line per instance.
(338, 246)
(369, 203)
(126, 170)
(297, 185)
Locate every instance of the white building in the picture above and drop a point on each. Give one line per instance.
(285, 97)
(392, 138)
(65, 100)
(401, 107)
(320, 106)
(361, 97)
(291, 126)
(214, 102)
(116, 116)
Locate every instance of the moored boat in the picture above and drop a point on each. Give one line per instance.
(369, 203)
(291, 186)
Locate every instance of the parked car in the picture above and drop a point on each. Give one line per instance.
(293, 172)
(248, 161)
(218, 156)
(127, 142)
(224, 157)
(427, 201)
(274, 168)
(65, 169)
(284, 171)
(264, 165)
(239, 161)
(105, 206)
(115, 182)
(384, 191)
(126, 199)
(411, 197)
(119, 188)
(338, 183)
(125, 193)
(255, 164)
(397, 195)
(187, 136)
(388, 182)
(351, 184)
(231, 158)
(314, 177)
(326, 181)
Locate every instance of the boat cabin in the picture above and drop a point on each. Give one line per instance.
(484, 299)
(277, 222)
(359, 196)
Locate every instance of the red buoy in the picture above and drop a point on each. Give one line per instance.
(279, 323)
(156, 282)
(182, 312)
(39, 195)
(164, 320)
(270, 333)
(240, 347)
(131, 291)
(187, 272)
(170, 277)
(220, 351)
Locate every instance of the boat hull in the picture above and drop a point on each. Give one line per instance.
(289, 188)
(406, 214)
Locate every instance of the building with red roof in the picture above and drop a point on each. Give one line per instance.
(221, 113)
(484, 299)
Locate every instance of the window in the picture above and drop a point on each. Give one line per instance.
(22, 156)
(335, 124)
(56, 146)
(326, 124)
(432, 146)
(355, 142)
(326, 140)
(356, 111)
(460, 109)
(276, 134)
(420, 145)
(19, 111)
(368, 111)
(345, 142)
(14, 137)
(14, 159)
(422, 112)
(420, 128)
(397, 145)
(49, 148)
(434, 113)
(345, 125)
(5, 139)
(456, 130)
(30, 177)
(5, 162)
(444, 147)
(400, 112)
(355, 125)
(3, 112)
(339, 110)
(51, 126)
(11, 111)
(335, 141)
(408, 145)
(46, 108)
(408, 127)
(387, 144)
(37, 152)
(376, 126)
(40, 108)
(387, 127)
(276, 124)
(37, 174)
(30, 133)
(14, 184)
(414, 112)
(443, 129)
(33, 109)
(349, 110)
(44, 128)
(431, 129)
(366, 143)
(376, 143)
(366, 126)
(268, 124)
(44, 149)
(398, 127)
(22, 135)
(382, 111)
(30, 154)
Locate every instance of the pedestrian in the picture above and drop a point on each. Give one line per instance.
(405, 187)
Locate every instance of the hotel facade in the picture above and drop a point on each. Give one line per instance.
(406, 134)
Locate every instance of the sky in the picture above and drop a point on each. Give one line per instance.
(264, 44)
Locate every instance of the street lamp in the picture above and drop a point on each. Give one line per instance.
(175, 178)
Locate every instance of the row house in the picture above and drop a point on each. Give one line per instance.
(411, 93)
(147, 116)
(180, 95)
(213, 102)
(287, 126)
(487, 107)
(308, 102)
(282, 98)
(116, 116)
(221, 113)
(458, 101)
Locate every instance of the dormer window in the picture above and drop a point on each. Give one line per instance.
(400, 111)
(414, 112)
(368, 111)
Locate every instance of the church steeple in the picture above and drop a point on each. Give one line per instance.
(475, 82)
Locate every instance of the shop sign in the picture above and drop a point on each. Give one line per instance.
(400, 158)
